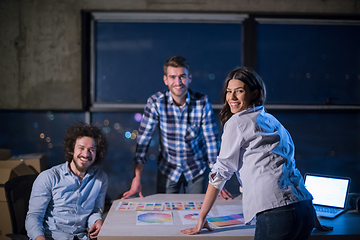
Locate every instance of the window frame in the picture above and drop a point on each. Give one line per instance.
(307, 21)
(147, 17)
(248, 42)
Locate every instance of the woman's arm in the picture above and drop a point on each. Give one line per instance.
(210, 197)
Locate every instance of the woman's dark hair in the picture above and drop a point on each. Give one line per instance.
(252, 80)
(81, 129)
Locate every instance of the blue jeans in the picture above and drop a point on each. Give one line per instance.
(291, 222)
(166, 185)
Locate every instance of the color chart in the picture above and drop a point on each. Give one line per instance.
(190, 216)
(157, 218)
(150, 206)
(227, 220)
(183, 205)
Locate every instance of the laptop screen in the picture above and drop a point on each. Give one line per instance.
(327, 190)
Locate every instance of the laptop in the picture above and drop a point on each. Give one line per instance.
(329, 193)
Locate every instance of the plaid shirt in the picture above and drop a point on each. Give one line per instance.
(188, 134)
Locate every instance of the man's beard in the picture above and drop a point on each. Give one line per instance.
(78, 167)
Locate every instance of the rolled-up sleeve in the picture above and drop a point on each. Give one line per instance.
(99, 202)
(217, 182)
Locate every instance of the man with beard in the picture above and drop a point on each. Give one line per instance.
(68, 199)
(188, 134)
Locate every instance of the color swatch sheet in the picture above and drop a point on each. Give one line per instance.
(139, 206)
(154, 218)
(224, 210)
(228, 215)
(190, 216)
(233, 219)
(183, 205)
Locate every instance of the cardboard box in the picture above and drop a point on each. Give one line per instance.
(5, 154)
(9, 170)
(34, 160)
(12, 169)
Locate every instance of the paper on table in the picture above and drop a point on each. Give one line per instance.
(224, 210)
(192, 205)
(154, 218)
(190, 216)
(147, 206)
(233, 219)
(228, 215)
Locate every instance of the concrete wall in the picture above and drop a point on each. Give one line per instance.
(40, 41)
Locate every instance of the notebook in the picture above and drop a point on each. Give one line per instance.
(329, 193)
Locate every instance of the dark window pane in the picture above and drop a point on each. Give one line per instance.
(326, 143)
(130, 57)
(121, 130)
(318, 147)
(310, 64)
(36, 132)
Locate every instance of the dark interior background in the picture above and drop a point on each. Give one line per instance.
(312, 73)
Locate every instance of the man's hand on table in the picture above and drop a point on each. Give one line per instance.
(224, 194)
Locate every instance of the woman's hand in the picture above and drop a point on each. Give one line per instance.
(200, 225)
(210, 197)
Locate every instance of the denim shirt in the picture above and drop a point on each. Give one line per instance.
(259, 150)
(61, 206)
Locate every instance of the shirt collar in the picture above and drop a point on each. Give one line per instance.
(252, 109)
(171, 100)
(67, 170)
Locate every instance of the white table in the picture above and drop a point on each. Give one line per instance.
(122, 224)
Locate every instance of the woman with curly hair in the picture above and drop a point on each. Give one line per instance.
(69, 198)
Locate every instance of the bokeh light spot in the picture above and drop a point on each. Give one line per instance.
(128, 134)
(50, 116)
(106, 130)
(137, 117)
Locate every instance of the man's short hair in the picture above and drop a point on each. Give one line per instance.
(176, 61)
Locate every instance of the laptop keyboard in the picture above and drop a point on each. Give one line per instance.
(327, 209)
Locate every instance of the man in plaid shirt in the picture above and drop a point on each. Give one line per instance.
(188, 134)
